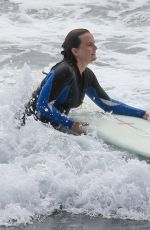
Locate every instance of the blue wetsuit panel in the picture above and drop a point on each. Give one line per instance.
(114, 106)
(47, 109)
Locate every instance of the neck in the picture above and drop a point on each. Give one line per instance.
(81, 67)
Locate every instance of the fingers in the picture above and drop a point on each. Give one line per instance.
(146, 116)
(79, 127)
(84, 123)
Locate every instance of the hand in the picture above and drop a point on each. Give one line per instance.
(146, 116)
(79, 127)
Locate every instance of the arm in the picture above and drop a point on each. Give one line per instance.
(98, 95)
(49, 111)
(46, 102)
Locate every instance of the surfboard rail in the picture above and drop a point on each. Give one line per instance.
(129, 133)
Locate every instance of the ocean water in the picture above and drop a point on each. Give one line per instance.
(42, 170)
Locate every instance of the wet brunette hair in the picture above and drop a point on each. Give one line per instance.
(72, 40)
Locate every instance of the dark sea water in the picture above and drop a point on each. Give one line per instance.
(81, 222)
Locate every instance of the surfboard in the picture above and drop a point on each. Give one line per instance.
(129, 133)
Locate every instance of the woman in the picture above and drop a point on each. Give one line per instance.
(67, 83)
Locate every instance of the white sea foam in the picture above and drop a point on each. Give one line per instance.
(42, 169)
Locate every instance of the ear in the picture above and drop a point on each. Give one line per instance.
(74, 51)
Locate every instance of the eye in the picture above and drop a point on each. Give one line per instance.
(91, 44)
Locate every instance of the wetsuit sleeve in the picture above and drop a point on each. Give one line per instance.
(99, 96)
(52, 94)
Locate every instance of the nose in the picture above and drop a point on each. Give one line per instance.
(95, 47)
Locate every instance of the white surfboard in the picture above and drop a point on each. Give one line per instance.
(128, 133)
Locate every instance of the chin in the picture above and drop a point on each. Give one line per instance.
(93, 58)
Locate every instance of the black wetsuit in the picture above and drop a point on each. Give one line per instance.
(64, 88)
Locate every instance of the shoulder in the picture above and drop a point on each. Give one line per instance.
(89, 74)
(63, 69)
(63, 73)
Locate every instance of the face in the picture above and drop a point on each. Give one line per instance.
(86, 52)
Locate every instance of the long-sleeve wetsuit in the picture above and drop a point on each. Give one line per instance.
(64, 88)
